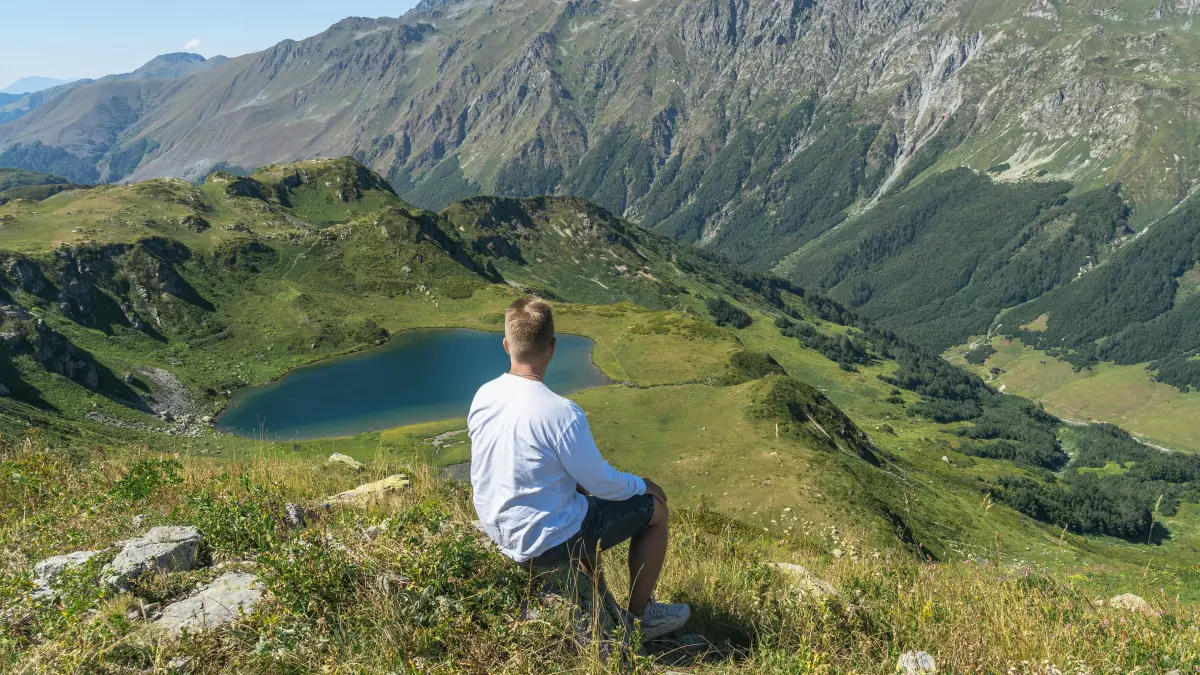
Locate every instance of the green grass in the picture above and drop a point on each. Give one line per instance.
(453, 604)
(290, 292)
(1123, 395)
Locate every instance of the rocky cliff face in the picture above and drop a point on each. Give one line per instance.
(522, 90)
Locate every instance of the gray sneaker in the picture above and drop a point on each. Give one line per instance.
(661, 619)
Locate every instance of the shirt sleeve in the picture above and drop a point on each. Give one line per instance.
(581, 458)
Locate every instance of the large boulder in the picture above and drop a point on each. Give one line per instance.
(226, 599)
(49, 570)
(163, 549)
(370, 492)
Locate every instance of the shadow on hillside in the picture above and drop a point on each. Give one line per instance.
(175, 254)
(112, 386)
(21, 390)
(726, 637)
(1159, 535)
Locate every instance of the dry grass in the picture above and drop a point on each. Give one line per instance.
(427, 594)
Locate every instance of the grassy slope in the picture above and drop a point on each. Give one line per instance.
(1123, 395)
(426, 594)
(675, 423)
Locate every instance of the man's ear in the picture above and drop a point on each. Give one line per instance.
(506, 347)
(553, 344)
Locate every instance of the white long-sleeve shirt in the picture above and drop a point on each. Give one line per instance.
(529, 447)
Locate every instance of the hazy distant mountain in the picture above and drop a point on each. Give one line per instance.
(168, 66)
(28, 85)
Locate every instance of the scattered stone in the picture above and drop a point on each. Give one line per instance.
(179, 663)
(365, 494)
(458, 473)
(139, 520)
(945, 459)
(375, 530)
(47, 571)
(226, 599)
(141, 612)
(293, 514)
(5, 391)
(1132, 603)
(916, 663)
(339, 458)
(166, 549)
(807, 582)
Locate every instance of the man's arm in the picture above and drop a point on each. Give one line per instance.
(582, 459)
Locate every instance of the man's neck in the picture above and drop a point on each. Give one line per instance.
(528, 371)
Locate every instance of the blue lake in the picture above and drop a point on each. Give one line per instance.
(419, 376)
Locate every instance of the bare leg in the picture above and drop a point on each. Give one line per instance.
(647, 551)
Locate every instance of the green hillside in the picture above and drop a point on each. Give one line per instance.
(784, 426)
(950, 170)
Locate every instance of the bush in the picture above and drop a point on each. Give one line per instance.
(145, 477)
(979, 355)
(238, 525)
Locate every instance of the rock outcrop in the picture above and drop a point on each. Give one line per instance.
(345, 460)
(1132, 603)
(364, 495)
(47, 572)
(228, 598)
(162, 549)
(806, 582)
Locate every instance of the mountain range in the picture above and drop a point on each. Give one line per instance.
(960, 172)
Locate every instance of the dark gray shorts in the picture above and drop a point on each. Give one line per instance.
(605, 525)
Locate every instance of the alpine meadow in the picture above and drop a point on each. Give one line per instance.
(898, 300)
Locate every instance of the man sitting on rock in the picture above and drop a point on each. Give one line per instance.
(544, 493)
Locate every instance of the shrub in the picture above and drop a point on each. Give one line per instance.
(145, 477)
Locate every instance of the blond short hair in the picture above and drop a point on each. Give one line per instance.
(529, 327)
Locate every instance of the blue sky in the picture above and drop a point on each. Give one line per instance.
(68, 39)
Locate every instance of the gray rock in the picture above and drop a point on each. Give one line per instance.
(1132, 603)
(47, 571)
(346, 460)
(139, 520)
(916, 663)
(141, 611)
(806, 582)
(294, 515)
(5, 391)
(226, 599)
(370, 492)
(166, 549)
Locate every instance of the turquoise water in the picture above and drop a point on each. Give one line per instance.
(419, 376)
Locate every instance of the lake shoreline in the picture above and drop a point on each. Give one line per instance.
(388, 389)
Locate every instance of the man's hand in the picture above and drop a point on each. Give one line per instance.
(655, 491)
